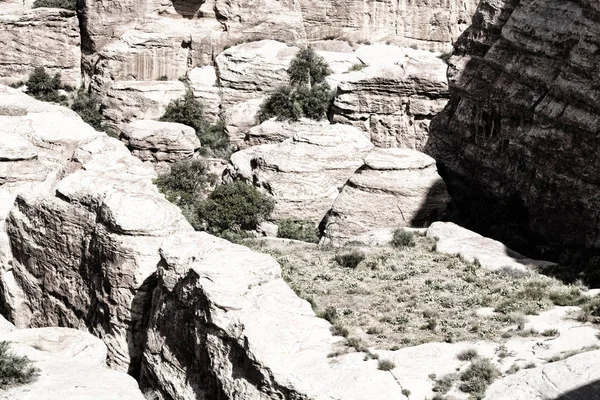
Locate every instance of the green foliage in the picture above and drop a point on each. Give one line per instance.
(185, 182)
(403, 238)
(306, 231)
(357, 67)
(307, 96)
(66, 4)
(88, 108)
(350, 259)
(480, 374)
(308, 68)
(385, 365)
(233, 207)
(189, 111)
(467, 355)
(14, 370)
(44, 87)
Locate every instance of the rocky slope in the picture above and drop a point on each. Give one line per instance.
(518, 143)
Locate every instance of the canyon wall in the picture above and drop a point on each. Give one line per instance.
(519, 142)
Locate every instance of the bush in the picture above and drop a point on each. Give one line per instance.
(403, 238)
(44, 87)
(66, 4)
(385, 365)
(306, 231)
(88, 108)
(233, 207)
(14, 370)
(308, 68)
(350, 259)
(186, 181)
(189, 111)
(467, 355)
(480, 374)
(307, 96)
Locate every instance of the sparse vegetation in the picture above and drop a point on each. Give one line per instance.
(350, 259)
(189, 111)
(444, 384)
(550, 332)
(88, 108)
(403, 238)
(308, 95)
(357, 67)
(467, 355)
(305, 231)
(480, 374)
(385, 365)
(65, 4)
(14, 369)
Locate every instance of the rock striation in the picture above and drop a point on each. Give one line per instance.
(41, 37)
(518, 142)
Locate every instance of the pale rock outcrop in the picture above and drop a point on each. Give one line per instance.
(518, 142)
(394, 97)
(157, 141)
(225, 325)
(250, 70)
(205, 86)
(41, 37)
(305, 172)
(72, 366)
(240, 118)
(572, 378)
(83, 226)
(394, 188)
(129, 100)
(454, 239)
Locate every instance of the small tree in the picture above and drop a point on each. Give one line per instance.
(44, 87)
(307, 96)
(233, 207)
(186, 181)
(189, 111)
(88, 108)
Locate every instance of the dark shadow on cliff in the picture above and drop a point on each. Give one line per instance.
(590, 391)
(187, 8)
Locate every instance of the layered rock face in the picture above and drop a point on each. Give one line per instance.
(519, 140)
(83, 226)
(46, 38)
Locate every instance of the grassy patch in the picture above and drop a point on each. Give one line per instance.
(14, 369)
(480, 374)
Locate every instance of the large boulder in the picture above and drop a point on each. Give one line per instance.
(72, 366)
(393, 97)
(395, 188)
(518, 142)
(157, 141)
(42, 37)
(305, 172)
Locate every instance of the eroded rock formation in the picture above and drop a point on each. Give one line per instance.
(519, 141)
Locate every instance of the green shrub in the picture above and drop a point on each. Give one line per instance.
(14, 370)
(480, 374)
(88, 108)
(385, 365)
(403, 238)
(306, 231)
(357, 67)
(467, 355)
(234, 207)
(189, 111)
(44, 87)
(308, 68)
(66, 4)
(350, 259)
(186, 181)
(307, 96)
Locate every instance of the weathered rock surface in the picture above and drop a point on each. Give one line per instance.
(490, 253)
(394, 96)
(573, 378)
(84, 230)
(157, 141)
(72, 366)
(305, 172)
(518, 142)
(394, 188)
(222, 315)
(42, 37)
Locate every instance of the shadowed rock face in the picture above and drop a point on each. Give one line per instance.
(519, 140)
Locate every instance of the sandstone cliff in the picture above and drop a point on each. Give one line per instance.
(519, 141)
